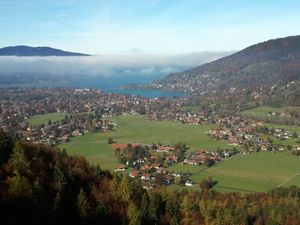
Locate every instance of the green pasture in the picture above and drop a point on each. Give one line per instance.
(137, 129)
(263, 111)
(44, 118)
(250, 173)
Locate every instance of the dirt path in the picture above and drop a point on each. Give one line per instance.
(288, 179)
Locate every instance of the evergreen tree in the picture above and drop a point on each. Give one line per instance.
(6, 146)
(144, 208)
(59, 177)
(18, 160)
(83, 204)
(133, 214)
(19, 187)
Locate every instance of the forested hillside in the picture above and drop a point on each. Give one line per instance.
(274, 62)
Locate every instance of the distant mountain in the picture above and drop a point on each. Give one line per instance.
(272, 62)
(35, 51)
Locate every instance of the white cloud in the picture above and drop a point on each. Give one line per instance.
(104, 65)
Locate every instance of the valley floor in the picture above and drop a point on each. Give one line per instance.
(241, 173)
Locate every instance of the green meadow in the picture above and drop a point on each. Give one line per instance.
(248, 173)
(137, 129)
(242, 173)
(263, 111)
(44, 118)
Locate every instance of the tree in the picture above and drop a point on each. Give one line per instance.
(154, 208)
(177, 180)
(101, 208)
(206, 184)
(144, 208)
(19, 161)
(133, 214)
(124, 189)
(19, 186)
(6, 146)
(83, 204)
(173, 209)
(110, 140)
(59, 177)
(208, 162)
(295, 135)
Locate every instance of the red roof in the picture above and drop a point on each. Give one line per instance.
(134, 173)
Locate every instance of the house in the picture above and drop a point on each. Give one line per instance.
(169, 179)
(171, 159)
(147, 185)
(121, 168)
(146, 176)
(155, 165)
(64, 138)
(134, 174)
(76, 133)
(189, 183)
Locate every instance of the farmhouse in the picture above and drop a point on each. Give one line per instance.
(121, 168)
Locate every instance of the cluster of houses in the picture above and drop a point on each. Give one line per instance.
(200, 157)
(152, 171)
(61, 131)
(239, 131)
(282, 133)
(281, 114)
(185, 116)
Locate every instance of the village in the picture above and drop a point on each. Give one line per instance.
(247, 133)
(90, 110)
(152, 163)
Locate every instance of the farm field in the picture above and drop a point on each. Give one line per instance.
(250, 173)
(137, 129)
(263, 111)
(44, 118)
(246, 173)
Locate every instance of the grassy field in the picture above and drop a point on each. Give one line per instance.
(44, 118)
(263, 111)
(246, 173)
(137, 129)
(251, 173)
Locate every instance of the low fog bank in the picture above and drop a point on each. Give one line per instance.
(103, 65)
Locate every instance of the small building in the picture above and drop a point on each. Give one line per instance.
(121, 168)
(189, 183)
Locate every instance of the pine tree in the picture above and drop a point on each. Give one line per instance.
(83, 204)
(59, 177)
(144, 208)
(19, 185)
(19, 161)
(133, 214)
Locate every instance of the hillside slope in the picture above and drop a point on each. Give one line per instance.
(272, 62)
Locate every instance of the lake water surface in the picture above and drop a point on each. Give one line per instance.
(113, 84)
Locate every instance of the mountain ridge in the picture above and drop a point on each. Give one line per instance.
(23, 50)
(273, 61)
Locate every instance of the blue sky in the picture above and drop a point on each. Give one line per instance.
(146, 26)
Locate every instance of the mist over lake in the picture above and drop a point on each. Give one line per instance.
(106, 72)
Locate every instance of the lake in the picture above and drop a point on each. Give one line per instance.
(112, 84)
(104, 83)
